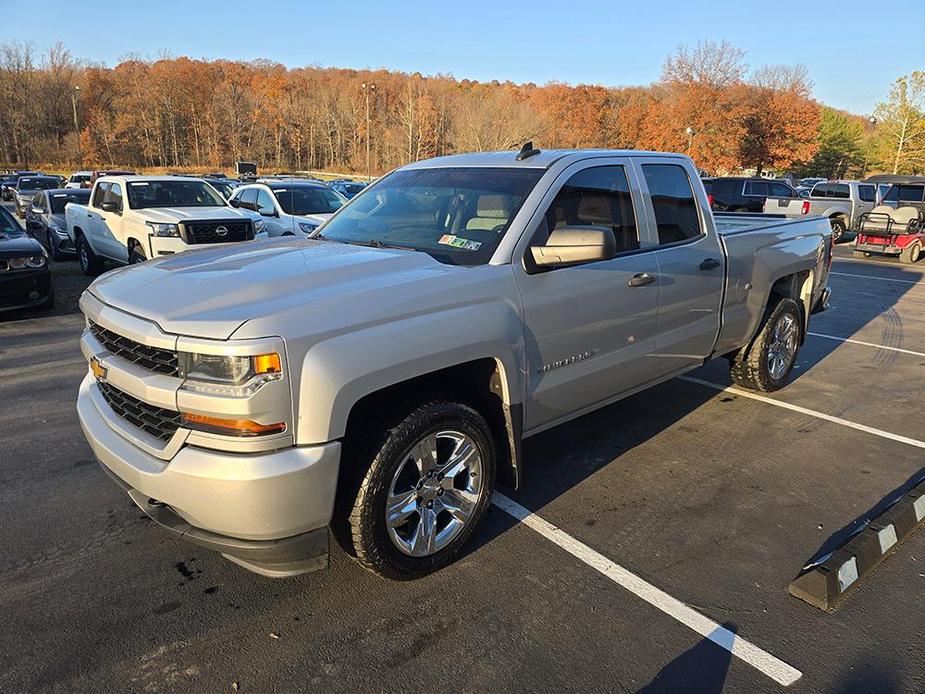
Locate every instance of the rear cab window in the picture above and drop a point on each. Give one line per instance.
(676, 214)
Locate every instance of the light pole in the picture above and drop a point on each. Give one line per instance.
(872, 120)
(367, 88)
(690, 138)
(74, 93)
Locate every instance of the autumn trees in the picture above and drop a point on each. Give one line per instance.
(185, 113)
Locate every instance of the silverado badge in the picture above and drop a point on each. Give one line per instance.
(98, 369)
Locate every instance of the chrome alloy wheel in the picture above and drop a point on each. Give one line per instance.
(434, 493)
(783, 347)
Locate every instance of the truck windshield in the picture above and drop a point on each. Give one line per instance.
(39, 183)
(456, 215)
(147, 194)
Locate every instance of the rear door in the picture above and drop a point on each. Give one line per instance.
(690, 265)
(589, 336)
(755, 193)
(866, 201)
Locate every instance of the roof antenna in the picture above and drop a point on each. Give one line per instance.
(527, 151)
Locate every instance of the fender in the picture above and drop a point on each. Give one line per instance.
(337, 372)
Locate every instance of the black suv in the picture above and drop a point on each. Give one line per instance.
(742, 194)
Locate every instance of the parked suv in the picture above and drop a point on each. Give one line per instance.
(294, 207)
(740, 194)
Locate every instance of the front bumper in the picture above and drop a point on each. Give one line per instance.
(24, 288)
(265, 511)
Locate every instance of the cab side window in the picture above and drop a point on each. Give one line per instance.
(248, 199)
(676, 214)
(780, 190)
(599, 196)
(114, 195)
(38, 201)
(265, 203)
(100, 194)
(756, 188)
(867, 193)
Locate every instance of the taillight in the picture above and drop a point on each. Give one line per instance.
(710, 200)
(805, 209)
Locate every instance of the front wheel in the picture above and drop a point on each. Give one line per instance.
(427, 485)
(765, 364)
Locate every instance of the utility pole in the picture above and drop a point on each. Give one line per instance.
(367, 87)
(74, 93)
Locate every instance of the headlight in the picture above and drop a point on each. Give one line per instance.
(258, 225)
(59, 230)
(308, 227)
(36, 261)
(164, 229)
(228, 375)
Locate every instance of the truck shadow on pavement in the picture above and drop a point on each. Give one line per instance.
(702, 668)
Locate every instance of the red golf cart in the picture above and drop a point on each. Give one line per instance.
(896, 227)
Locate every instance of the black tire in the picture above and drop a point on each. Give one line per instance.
(749, 367)
(911, 254)
(136, 254)
(838, 228)
(90, 262)
(375, 462)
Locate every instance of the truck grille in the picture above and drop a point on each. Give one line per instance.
(157, 421)
(160, 361)
(208, 232)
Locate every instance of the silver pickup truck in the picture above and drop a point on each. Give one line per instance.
(841, 202)
(378, 379)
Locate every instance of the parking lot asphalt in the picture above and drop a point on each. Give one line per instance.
(713, 497)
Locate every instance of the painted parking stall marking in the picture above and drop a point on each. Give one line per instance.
(773, 667)
(866, 344)
(872, 277)
(805, 410)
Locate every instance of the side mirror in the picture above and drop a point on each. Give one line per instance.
(109, 206)
(575, 245)
(264, 213)
(234, 202)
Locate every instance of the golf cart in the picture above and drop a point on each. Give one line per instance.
(896, 227)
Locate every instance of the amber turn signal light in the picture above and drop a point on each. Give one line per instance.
(267, 364)
(230, 427)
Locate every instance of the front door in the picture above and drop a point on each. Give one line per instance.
(589, 334)
(690, 264)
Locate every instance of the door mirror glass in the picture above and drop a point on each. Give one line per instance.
(109, 206)
(574, 245)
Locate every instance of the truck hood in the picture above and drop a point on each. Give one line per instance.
(210, 293)
(172, 215)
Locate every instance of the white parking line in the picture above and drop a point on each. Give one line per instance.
(871, 277)
(776, 669)
(803, 410)
(866, 344)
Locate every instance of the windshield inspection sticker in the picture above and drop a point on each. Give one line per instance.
(459, 242)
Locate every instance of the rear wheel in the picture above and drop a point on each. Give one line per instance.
(90, 263)
(426, 485)
(766, 363)
(838, 228)
(911, 253)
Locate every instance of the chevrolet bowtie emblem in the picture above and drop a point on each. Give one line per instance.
(99, 371)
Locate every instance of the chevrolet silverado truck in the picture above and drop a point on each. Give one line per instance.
(131, 219)
(376, 380)
(841, 202)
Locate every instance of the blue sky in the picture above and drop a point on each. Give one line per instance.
(854, 50)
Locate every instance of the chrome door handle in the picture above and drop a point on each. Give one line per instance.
(640, 280)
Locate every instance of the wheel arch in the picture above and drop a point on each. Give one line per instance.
(480, 383)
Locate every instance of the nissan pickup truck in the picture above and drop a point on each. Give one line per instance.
(376, 380)
(841, 202)
(131, 219)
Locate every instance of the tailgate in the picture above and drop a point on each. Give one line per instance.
(791, 207)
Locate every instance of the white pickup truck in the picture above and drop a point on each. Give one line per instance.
(379, 377)
(131, 219)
